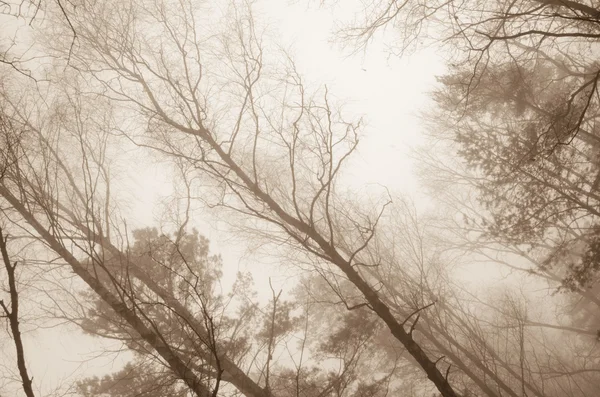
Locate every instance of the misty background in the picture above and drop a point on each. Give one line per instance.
(271, 198)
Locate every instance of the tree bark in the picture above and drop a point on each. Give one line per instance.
(234, 374)
(573, 5)
(331, 254)
(13, 318)
(176, 364)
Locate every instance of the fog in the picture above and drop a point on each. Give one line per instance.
(302, 198)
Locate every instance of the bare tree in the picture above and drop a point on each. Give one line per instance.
(161, 286)
(241, 153)
(11, 312)
(22, 18)
(268, 151)
(66, 212)
(463, 238)
(519, 102)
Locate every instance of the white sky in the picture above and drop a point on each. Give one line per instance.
(388, 91)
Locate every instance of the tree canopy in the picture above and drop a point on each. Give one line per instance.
(384, 299)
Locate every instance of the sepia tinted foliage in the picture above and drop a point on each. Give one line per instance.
(381, 304)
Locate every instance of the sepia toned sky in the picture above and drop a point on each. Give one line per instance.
(235, 124)
(386, 90)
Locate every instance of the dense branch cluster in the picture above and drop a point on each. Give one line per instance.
(377, 309)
